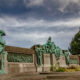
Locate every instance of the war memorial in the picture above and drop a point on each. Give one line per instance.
(39, 58)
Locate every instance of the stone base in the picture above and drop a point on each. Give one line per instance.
(62, 61)
(21, 67)
(39, 69)
(46, 68)
(46, 61)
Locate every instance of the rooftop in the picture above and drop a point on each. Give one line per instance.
(14, 49)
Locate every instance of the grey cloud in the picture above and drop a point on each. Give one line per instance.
(26, 25)
(31, 3)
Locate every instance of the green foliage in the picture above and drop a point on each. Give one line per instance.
(51, 68)
(74, 67)
(60, 69)
(55, 67)
(75, 44)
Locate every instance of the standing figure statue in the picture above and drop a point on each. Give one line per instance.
(39, 55)
(58, 52)
(67, 56)
(2, 52)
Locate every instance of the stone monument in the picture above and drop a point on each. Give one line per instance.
(50, 54)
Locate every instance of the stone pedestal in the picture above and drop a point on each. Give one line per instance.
(46, 62)
(5, 63)
(62, 61)
(18, 67)
(54, 60)
(40, 69)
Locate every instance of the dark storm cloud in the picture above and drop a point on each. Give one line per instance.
(50, 9)
(29, 22)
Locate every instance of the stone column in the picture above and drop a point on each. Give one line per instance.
(79, 59)
(62, 61)
(46, 63)
(35, 61)
(54, 60)
(5, 62)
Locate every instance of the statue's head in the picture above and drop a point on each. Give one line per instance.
(49, 38)
(2, 33)
(38, 45)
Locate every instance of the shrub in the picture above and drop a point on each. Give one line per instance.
(51, 68)
(77, 69)
(60, 69)
(69, 70)
(74, 67)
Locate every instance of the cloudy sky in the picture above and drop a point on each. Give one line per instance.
(29, 22)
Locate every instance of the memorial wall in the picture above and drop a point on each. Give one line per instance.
(38, 58)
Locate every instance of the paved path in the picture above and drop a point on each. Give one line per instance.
(42, 76)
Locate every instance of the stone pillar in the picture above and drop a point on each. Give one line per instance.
(79, 59)
(54, 60)
(46, 62)
(62, 61)
(5, 63)
(35, 61)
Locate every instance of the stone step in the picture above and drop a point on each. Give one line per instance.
(64, 77)
(26, 76)
(56, 73)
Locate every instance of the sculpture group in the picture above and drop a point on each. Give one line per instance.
(50, 48)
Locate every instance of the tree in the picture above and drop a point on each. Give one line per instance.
(75, 44)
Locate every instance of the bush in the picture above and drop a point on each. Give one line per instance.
(60, 69)
(74, 67)
(51, 68)
(77, 69)
(69, 70)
